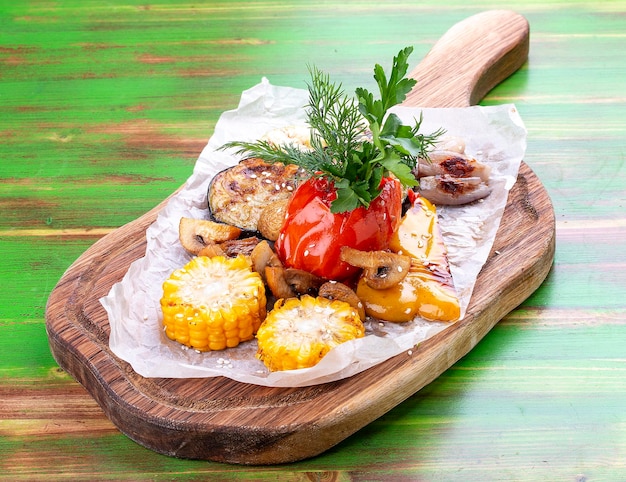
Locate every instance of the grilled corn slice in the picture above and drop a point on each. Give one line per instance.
(213, 303)
(300, 332)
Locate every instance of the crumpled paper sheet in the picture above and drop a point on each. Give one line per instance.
(494, 135)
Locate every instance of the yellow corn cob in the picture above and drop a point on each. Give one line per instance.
(213, 303)
(300, 332)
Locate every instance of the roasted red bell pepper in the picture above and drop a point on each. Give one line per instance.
(312, 236)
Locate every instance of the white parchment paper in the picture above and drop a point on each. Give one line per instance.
(493, 135)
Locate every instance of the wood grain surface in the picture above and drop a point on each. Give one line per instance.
(104, 107)
(217, 419)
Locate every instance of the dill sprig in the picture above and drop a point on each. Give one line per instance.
(355, 142)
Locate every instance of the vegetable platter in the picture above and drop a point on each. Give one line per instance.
(225, 420)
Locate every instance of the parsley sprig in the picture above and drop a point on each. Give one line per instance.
(342, 150)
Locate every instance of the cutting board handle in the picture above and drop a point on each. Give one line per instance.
(470, 59)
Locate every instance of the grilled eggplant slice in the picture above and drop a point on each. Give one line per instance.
(238, 195)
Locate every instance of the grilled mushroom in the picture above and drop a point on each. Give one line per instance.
(212, 250)
(302, 282)
(272, 218)
(276, 282)
(291, 282)
(244, 246)
(381, 269)
(334, 290)
(196, 234)
(263, 256)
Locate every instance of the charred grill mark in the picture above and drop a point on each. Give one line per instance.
(237, 188)
(448, 190)
(448, 186)
(457, 166)
(272, 172)
(452, 186)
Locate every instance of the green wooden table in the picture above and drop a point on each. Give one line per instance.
(104, 109)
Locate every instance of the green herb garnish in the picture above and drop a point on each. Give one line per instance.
(342, 150)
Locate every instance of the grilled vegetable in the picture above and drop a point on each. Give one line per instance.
(290, 282)
(239, 194)
(450, 177)
(212, 250)
(334, 290)
(301, 331)
(213, 303)
(313, 235)
(244, 246)
(272, 218)
(381, 269)
(452, 163)
(353, 196)
(197, 234)
(263, 256)
(453, 191)
(420, 293)
(428, 288)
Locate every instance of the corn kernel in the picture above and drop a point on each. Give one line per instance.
(298, 333)
(213, 303)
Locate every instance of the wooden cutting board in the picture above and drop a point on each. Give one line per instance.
(222, 420)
